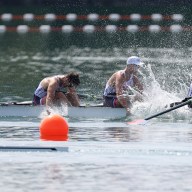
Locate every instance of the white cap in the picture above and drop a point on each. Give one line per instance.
(134, 60)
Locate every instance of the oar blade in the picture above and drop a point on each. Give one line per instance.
(137, 122)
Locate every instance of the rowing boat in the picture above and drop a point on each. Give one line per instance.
(25, 109)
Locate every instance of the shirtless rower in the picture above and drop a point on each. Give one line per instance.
(49, 90)
(119, 82)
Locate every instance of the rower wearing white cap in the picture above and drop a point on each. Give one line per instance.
(120, 82)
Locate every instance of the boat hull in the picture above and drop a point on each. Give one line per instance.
(75, 112)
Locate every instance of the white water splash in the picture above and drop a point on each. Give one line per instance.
(157, 99)
(61, 110)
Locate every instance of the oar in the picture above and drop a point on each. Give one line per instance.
(143, 121)
(177, 103)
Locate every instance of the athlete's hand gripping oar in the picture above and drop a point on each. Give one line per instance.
(143, 121)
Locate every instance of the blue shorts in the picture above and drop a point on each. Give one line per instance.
(110, 101)
(39, 101)
(36, 100)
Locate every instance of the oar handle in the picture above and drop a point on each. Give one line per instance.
(168, 110)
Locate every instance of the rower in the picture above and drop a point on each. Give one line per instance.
(114, 93)
(49, 91)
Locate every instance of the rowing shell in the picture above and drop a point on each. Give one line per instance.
(15, 110)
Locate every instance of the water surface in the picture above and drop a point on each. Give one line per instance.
(104, 154)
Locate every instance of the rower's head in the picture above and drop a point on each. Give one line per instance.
(73, 79)
(134, 63)
(134, 60)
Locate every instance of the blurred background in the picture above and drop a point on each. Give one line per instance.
(40, 38)
(96, 3)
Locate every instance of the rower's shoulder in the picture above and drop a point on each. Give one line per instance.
(117, 73)
(49, 81)
(120, 75)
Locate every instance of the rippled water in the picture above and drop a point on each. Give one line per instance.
(103, 154)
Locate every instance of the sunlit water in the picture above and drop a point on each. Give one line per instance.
(104, 154)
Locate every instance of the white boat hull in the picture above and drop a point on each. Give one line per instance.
(75, 112)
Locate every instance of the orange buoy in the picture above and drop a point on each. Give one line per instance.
(54, 127)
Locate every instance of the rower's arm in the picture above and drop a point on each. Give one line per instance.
(71, 90)
(119, 92)
(137, 84)
(72, 96)
(51, 93)
(139, 88)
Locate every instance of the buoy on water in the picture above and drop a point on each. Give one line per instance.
(54, 127)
